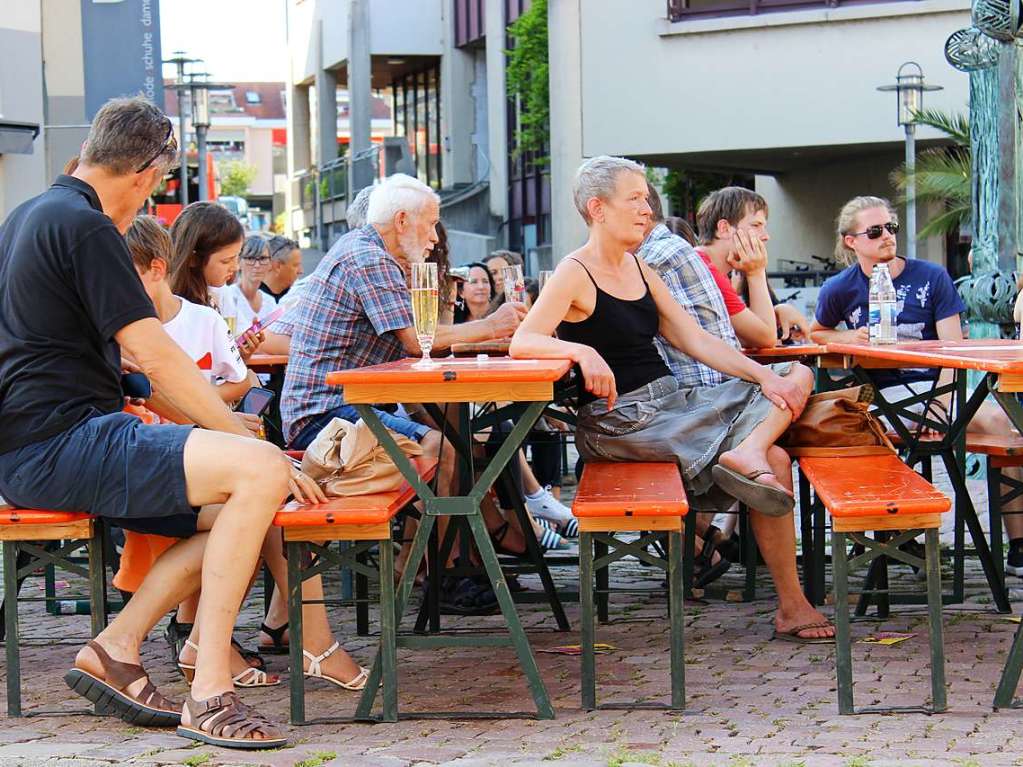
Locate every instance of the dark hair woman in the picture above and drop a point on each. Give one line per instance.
(207, 239)
(478, 294)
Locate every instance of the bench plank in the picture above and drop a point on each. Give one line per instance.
(630, 489)
(872, 486)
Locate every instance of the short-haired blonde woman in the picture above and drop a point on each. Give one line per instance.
(607, 306)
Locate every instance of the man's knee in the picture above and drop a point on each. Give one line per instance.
(261, 464)
(802, 375)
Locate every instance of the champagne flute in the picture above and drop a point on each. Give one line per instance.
(514, 284)
(545, 275)
(425, 297)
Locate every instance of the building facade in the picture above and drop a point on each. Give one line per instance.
(782, 91)
(439, 67)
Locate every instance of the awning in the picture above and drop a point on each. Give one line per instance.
(17, 137)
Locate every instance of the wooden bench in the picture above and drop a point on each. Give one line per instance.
(365, 522)
(614, 498)
(24, 533)
(879, 493)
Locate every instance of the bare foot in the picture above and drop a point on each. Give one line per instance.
(746, 463)
(803, 615)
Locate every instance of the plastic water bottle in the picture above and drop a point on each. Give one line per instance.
(882, 307)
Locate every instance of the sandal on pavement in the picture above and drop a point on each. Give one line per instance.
(755, 495)
(706, 570)
(314, 671)
(147, 709)
(279, 646)
(793, 634)
(177, 633)
(225, 721)
(249, 677)
(463, 596)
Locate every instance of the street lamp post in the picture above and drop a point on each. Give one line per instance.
(179, 59)
(200, 89)
(909, 88)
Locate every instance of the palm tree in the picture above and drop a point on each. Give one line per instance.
(943, 174)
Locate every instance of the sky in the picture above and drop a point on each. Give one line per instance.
(239, 40)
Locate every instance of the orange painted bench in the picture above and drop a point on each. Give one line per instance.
(23, 533)
(629, 497)
(879, 493)
(365, 522)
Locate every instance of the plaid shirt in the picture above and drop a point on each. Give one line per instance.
(692, 285)
(344, 319)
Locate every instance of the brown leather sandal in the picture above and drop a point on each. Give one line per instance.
(148, 708)
(224, 720)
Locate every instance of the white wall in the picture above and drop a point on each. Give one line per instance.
(773, 84)
(21, 99)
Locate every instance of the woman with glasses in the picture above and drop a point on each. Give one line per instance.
(249, 302)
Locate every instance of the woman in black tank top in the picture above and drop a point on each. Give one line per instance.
(607, 307)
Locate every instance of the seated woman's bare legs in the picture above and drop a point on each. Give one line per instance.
(991, 419)
(750, 455)
(317, 636)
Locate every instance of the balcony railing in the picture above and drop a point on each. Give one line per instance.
(334, 180)
(683, 10)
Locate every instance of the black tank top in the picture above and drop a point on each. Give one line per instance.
(622, 332)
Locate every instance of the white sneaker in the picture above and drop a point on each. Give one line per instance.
(546, 506)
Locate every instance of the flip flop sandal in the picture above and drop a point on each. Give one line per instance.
(792, 635)
(467, 598)
(315, 672)
(147, 709)
(225, 721)
(755, 495)
(279, 646)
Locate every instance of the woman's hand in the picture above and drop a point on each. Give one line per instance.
(304, 487)
(792, 323)
(784, 393)
(248, 343)
(600, 381)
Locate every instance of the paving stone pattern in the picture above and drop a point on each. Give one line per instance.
(751, 701)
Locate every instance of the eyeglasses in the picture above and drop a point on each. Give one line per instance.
(873, 232)
(257, 260)
(169, 146)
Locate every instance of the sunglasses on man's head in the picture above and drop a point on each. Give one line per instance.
(875, 231)
(169, 146)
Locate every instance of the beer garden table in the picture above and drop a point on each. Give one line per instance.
(460, 381)
(1002, 363)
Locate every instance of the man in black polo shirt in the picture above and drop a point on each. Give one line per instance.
(70, 301)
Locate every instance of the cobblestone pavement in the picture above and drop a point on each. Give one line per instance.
(751, 700)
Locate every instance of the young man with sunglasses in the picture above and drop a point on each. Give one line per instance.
(928, 304)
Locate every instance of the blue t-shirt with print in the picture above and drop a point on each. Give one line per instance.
(925, 295)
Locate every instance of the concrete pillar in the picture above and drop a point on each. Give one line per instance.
(326, 106)
(456, 107)
(299, 140)
(360, 111)
(497, 109)
(564, 19)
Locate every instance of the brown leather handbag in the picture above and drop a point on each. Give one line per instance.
(837, 423)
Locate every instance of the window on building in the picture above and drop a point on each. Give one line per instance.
(416, 113)
(253, 97)
(681, 10)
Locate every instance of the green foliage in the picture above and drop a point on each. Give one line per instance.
(686, 188)
(236, 177)
(527, 78)
(562, 751)
(197, 760)
(943, 174)
(317, 759)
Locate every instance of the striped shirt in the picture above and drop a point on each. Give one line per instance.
(693, 286)
(345, 318)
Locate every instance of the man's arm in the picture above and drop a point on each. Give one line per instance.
(752, 331)
(176, 378)
(823, 335)
(500, 324)
(756, 326)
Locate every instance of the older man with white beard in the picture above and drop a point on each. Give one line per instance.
(356, 311)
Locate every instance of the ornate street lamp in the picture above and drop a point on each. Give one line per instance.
(909, 88)
(180, 59)
(200, 89)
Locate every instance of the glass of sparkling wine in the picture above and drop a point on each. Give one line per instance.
(425, 295)
(230, 325)
(514, 284)
(542, 279)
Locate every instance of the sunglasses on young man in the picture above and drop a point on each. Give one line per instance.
(874, 232)
(169, 146)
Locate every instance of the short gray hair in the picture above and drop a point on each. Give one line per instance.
(281, 247)
(396, 193)
(355, 214)
(597, 177)
(126, 134)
